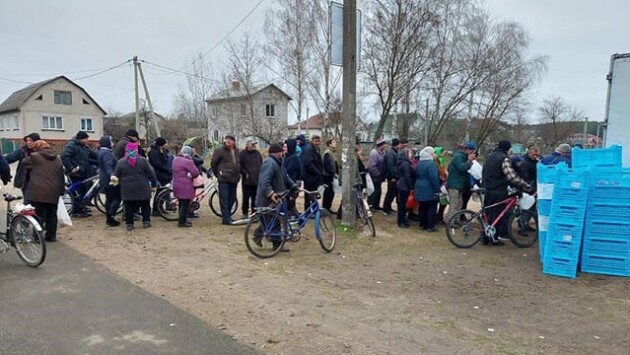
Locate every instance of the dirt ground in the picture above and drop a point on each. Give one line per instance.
(403, 292)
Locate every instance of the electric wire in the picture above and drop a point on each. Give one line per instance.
(103, 71)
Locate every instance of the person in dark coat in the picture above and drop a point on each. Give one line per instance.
(18, 155)
(184, 171)
(427, 188)
(131, 136)
(106, 165)
(227, 168)
(562, 154)
(458, 180)
(391, 176)
(5, 171)
(251, 161)
(136, 178)
(78, 158)
(293, 168)
(311, 168)
(330, 171)
(162, 164)
(529, 160)
(404, 185)
(376, 168)
(46, 182)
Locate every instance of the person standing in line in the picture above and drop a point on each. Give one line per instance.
(226, 167)
(18, 155)
(458, 179)
(106, 165)
(137, 179)
(159, 160)
(330, 171)
(293, 169)
(77, 158)
(184, 171)
(391, 176)
(404, 185)
(251, 161)
(46, 182)
(427, 188)
(131, 136)
(311, 168)
(376, 169)
(562, 154)
(439, 164)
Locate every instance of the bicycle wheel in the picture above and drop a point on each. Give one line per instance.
(99, 202)
(215, 204)
(67, 201)
(363, 220)
(464, 229)
(523, 230)
(327, 234)
(265, 234)
(167, 205)
(28, 239)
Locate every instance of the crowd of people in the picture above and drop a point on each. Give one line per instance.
(417, 179)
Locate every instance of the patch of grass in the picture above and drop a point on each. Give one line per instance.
(446, 325)
(493, 263)
(278, 269)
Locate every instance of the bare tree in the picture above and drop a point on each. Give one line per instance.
(558, 120)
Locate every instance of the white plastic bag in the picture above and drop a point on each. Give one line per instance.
(336, 186)
(369, 185)
(475, 170)
(63, 218)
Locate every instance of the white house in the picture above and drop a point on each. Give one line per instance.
(262, 114)
(56, 109)
(326, 126)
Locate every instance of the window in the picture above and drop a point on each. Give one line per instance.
(86, 125)
(85, 102)
(243, 109)
(215, 135)
(2, 124)
(63, 97)
(16, 123)
(40, 98)
(52, 122)
(270, 110)
(215, 111)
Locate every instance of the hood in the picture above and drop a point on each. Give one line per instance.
(105, 142)
(302, 138)
(47, 153)
(291, 144)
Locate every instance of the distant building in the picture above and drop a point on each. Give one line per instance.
(56, 109)
(231, 112)
(326, 126)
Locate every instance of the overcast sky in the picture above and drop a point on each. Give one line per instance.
(41, 39)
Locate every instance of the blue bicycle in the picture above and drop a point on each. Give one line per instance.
(270, 228)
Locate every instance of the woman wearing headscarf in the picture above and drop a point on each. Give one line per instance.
(136, 178)
(427, 188)
(106, 166)
(44, 173)
(184, 171)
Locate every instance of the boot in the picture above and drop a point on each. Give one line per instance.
(111, 221)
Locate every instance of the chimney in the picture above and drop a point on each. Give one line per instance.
(236, 85)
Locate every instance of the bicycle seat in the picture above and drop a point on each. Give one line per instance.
(9, 197)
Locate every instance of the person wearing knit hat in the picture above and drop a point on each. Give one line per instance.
(391, 176)
(426, 189)
(562, 154)
(82, 135)
(497, 175)
(77, 157)
(17, 156)
(162, 162)
(226, 166)
(130, 136)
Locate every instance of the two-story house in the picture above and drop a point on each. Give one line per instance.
(263, 114)
(56, 109)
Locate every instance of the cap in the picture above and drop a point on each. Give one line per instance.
(564, 148)
(275, 148)
(160, 141)
(82, 135)
(251, 141)
(395, 142)
(470, 146)
(33, 136)
(230, 136)
(404, 140)
(132, 133)
(505, 145)
(380, 142)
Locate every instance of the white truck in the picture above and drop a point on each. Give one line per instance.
(617, 120)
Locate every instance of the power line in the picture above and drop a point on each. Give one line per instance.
(104, 71)
(173, 70)
(16, 81)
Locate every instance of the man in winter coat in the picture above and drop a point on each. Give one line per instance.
(311, 168)
(458, 179)
(330, 171)
(131, 136)
(106, 165)
(391, 176)
(527, 170)
(44, 172)
(162, 164)
(251, 161)
(18, 155)
(226, 167)
(562, 154)
(78, 158)
(404, 185)
(376, 169)
(293, 168)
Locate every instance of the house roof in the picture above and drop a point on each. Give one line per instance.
(224, 98)
(318, 121)
(18, 98)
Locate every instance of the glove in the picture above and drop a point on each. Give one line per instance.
(113, 181)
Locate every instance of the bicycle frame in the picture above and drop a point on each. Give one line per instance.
(72, 189)
(294, 226)
(509, 203)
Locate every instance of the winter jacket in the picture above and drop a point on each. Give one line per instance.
(198, 160)
(406, 180)
(119, 147)
(225, 165)
(250, 161)
(273, 178)
(376, 166)
(391, 167)
(77, 155)
(183, 184)
(292, 161)
(160, 162)
(329, 165)
(458, 176)
(311, 166)
(44, 172)
(135, 181)
(106, 165)
(18, 155)
(527, 169)
(5, 171)
(555, 158)
(427, 184)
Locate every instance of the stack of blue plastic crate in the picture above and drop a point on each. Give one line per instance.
(546, 176)
(566, 223)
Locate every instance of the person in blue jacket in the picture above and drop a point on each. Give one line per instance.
(427, 189)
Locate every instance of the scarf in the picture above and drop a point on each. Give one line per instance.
(131, 153)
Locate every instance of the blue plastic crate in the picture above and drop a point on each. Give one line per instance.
(577, 196)
(616, 228)
(607, 247)
(601, 264)
(542, 239)
(611, 209)
(574, 179)
(562, 249)
(543, 207)
(596, 158)
(568, 213)
(617, 177)
(545, 174)
(608, 193)
(565, 231)
(565, 267)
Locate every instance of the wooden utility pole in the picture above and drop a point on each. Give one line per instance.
(348, 113)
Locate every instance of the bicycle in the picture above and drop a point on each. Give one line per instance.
(94, 194)
(466, 228)
(364, 214)
(166, 204)
(23, 233)
(269, 228)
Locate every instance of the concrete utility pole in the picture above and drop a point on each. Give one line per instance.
(348, 113)
(135, 76)
(152, 121)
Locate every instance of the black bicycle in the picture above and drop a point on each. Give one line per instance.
(23, 233)
(364, 214)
